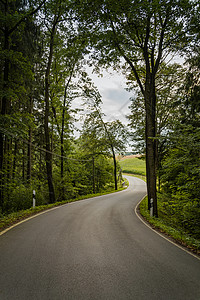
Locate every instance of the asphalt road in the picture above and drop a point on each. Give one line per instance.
(95, 249)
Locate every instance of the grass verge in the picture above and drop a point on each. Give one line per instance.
(177, 235)
(15, 217)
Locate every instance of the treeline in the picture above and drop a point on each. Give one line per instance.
(178, 160)
(179, 168)
(42, 72)
(45, 47)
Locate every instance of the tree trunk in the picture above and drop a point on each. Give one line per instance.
(93, 176)
(14, 159)
(62, 141)
(46, 117)
(29, 157)
(62, 168)
(151, 144)
(23, 163)
(62, 132)
(115, 167)
(48, 145)
(29, 153)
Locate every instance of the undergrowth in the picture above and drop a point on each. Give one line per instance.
(15, 217)
(165, 226)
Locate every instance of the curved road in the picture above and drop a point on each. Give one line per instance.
(95, 249)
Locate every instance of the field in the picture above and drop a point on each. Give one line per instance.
(133, 165)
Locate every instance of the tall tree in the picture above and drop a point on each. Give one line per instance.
(112, 135)
(143, 34)
(57, 17)
(67, 66)
(168, 80)
(13, 19)
(181, 176)
(47, 107)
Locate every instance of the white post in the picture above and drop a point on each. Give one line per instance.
(33, 198)
(151, 207)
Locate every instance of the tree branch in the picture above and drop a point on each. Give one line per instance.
(126, 57)
(145, 49)
(132, 67)
(160, 47)
(31, 13)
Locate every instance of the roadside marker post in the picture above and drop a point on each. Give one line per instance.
(33, 198)
(151, 207)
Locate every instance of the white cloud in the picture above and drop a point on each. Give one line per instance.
(114, 96)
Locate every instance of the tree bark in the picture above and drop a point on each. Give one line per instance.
(151, 143)
(23, 162)
(29, 153)
(93, 175)
(62, 131)
(115, 166)
(46, 117)
(14, 159)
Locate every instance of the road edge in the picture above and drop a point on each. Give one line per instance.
(156, 230)
(52, 208)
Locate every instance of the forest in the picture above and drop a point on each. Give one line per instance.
(45, 48)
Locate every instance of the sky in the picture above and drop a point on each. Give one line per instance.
(115, 98)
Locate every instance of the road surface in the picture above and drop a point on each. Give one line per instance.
(95, 249)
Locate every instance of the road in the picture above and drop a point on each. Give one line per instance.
(95, 249)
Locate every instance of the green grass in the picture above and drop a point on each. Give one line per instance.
(15, 217)
(163, 225)
(133, 165)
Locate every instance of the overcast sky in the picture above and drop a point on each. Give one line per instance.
(115, 99)
(114, 96)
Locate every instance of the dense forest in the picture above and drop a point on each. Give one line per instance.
(45, 47)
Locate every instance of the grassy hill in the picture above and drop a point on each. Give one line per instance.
(133, 165)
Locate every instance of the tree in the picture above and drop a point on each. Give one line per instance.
(180, 175)
(15, 67)
(58, 19)
(142, 34)
(168, 81)
(67, 66)
(111, 135)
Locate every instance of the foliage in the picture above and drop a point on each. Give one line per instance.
(15, 217)
(101, 137)
(168, 224)
(168, 80)
(181, 179)
(44, 47)
(42, 73)
(180, 175)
